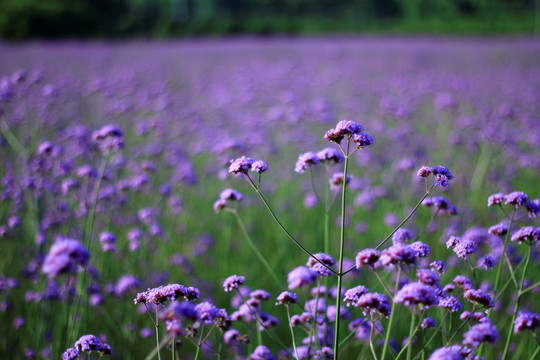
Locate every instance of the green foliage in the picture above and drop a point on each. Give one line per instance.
(63, 18)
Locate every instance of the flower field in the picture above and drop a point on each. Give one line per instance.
(316, 198)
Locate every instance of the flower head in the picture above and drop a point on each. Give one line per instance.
(367, 257)
(241, 165)
(262, 353)
(259, 166)
(306, 160)
(233, 282)
(353, 295)
(479, 297)
(479, 333)
(300, 276)
(496, 199)
(416, 293)
(526, 321)
(317, 266)
(516, 198)
(398, 253)
(527, 234)
(330, 155)
(374, 302)
(65, 256)
(287, 298)
(342, 129)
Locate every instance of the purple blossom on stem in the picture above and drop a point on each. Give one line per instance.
(353, 295)
(479, 297)
(527, 234)
(70, 354)
(342, 129)
(402, 235)
(516, 198)
(65, 256)
(439, 266)
(231, 195)
(233, 282)
(447, 353)
(451, 302)
(479, 333)
(330, 155)
(317, 266)
(424, 171)
(241, 165)
(496, 199)
(300, 276)
(499, 229)
(526, 321)
(428, 323)
(262, 353)
(367, 257)
(306, 160)
(259, 167)
(362, 140)
(398, 253)
(463, 282)
(374, 302)
(416, 293)
(287, 298)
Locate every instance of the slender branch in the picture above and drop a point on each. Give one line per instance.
(292, 331)
(387, 337)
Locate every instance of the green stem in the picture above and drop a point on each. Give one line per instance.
(406, 218)
(460, 327)
(157, 333)
(410, 342)
(387, 337)
(292, 332)
(285, 230)
(516, 307)
(371, 346)
(256, 250)
(199, 344)
(382, 283)
(173, 347)
(499, 266)
(341, 246)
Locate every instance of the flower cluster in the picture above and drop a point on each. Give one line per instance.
(349, 129)
(65, 257)
(225, 197)
(87, 343)
(441, 173)
(165, 293)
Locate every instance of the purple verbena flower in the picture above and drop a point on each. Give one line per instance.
(259, 167)
(300, 276)
(527, 234)
(374, 302)
(487, 262)
(306, 160)
(526, 320)
(447, 353)
(241, 165)
(65, 256)
(496, 199)
(463, 282)
(416, 293)
(533, 208)
(439, 266)
(317, 266)
(107, 240)
(428, 323)
(516, 198)
(362, 140)
(336, 181)
(70, 354)
(499, 229)
(398, 253)
(450, 302)
(342, 129)
(479, 333)
(330, 155)
(353, 295)
(367, 257)
(262, 353)
(233, 282)
(464, 248)
(230, 195)
(402, 235)
(479, 297)
(424, 171)
(206, 312)
(286, 298)
(421, 249)
(428, 277)
(324, 353)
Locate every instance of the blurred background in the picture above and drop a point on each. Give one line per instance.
(23, 19)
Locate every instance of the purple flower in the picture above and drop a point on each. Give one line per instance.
(442, 170)
(125, 284)
(479, 333)
(91, 343)
(487, 262)
(363, 139)
(259, 166)
(70, 354)
(439, 266)
(287, 298)
(317, 266)
(374, 302)
(516, 198)
(262, 353)
(526, 321)
(107, 241)
(416, 293)
(231, 337)
(306, 160)
(241, 165)
(500, 229)
(342, 129)
(230, 195)
(428, 277)
(398, 253)
(219, 205)
(451, 302)
(65, 256)
(428, 323)
(206, 312)
(401, 236)
(527, 233)
(109, 138)
(464, 248)
(496, 199)
(300, 276)
(453, 241)
(463, 282)
(324, 353)
(421, 249)
(233, 282)
(533, 208)
(479, 297)
(353, 295)
(168, 292)
(424, 171)
(447, 353)
(330, 155)
(260, 295)
(336, 181)
(367, 257)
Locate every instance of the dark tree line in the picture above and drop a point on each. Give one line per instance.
(123, 18)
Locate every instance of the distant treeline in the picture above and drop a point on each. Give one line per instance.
(20, 19)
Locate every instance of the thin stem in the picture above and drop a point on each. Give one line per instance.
(284, 229)
(387, 337)
(460, 327)
(173, 347)
(12, 140)
(499, 267)
(516, 307)
(341, 247)
(530, 288)
(406, 218)
(371, 346)
(475, 282)
(382, 283)
(157, 333)
(256, 250)
(435, 333)
(313, 186)
(411, 330)
(199, 344)
(292, 332)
